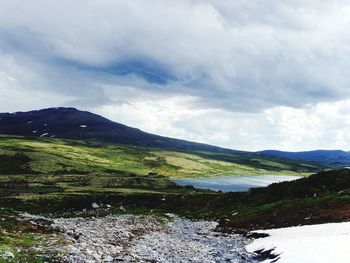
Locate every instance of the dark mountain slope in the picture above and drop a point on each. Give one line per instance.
(333, 158)
(70, 123)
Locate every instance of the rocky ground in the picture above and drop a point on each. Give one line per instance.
(130, 238)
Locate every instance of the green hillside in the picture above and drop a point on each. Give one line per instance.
(64, 178)
(38, 168)
(56, 156)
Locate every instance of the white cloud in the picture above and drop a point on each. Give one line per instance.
(242, 74)
(14, 92)
(242, 55)
(322, 126)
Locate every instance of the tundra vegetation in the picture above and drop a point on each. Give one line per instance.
(64, 177)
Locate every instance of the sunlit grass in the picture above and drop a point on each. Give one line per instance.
(32, 169)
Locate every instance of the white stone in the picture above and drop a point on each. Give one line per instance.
(108, 259)
(95, 205)
(8, 255)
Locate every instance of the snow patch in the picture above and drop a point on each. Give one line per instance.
(44, 134)
(83, 126)
(308, 244)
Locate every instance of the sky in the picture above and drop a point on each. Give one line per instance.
(248, 75)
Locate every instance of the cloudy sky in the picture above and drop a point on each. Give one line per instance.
(250, 75)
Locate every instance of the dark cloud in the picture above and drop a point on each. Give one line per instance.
(230, 54)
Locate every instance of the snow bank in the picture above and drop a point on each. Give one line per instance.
(313, 243)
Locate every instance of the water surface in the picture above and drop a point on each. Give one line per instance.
(235, 183)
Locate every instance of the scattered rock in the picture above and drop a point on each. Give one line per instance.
(131, 238)
(256, 235)
(108, 259)
(95, 205)
(8, 255)
(262, 255)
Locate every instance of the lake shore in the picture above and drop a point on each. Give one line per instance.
(234, 183)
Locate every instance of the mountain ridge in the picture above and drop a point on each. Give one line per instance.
(71, 123)
(337, 158)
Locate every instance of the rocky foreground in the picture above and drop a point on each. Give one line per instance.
(130, 238)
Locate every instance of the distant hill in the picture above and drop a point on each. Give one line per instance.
(326, 157)
(70, 123)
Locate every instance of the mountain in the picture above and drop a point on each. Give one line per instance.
(70, 123)
(328, 157)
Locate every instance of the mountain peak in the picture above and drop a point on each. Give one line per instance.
(51, 109)
(60, 109)
(71, 123)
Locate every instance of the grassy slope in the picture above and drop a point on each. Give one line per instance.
(64, 156)
(55, 169)
(319, 198)
(51, 175)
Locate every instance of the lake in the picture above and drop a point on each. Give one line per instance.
(235, 183)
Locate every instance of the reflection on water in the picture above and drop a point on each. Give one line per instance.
(235, 183)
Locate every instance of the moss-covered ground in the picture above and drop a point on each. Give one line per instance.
(26, 242)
